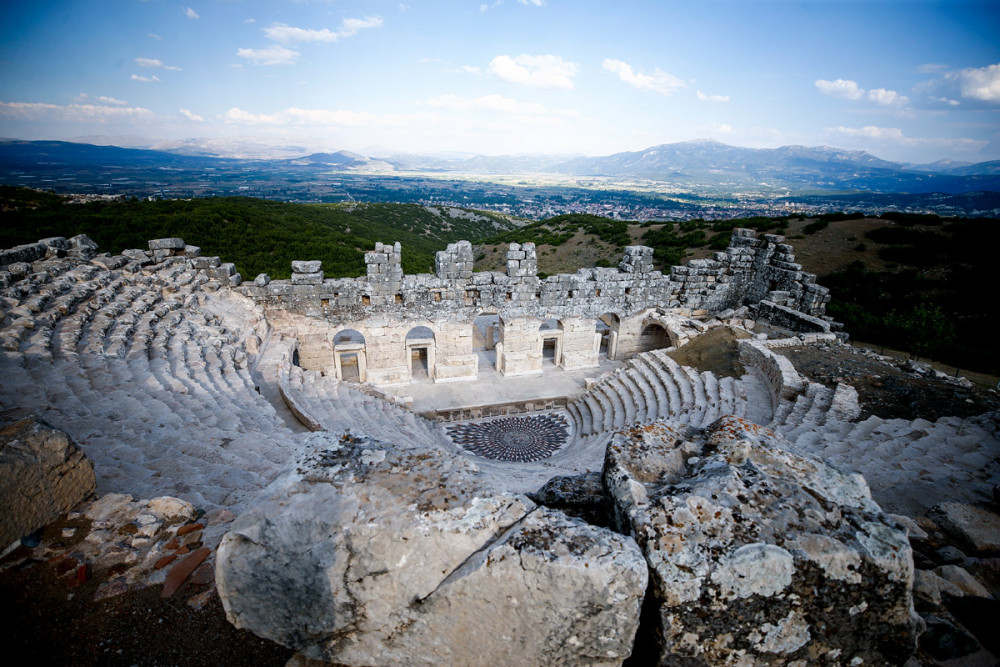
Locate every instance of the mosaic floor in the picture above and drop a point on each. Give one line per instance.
(531, 438)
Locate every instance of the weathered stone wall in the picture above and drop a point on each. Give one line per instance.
(386, 304)
(749, 271)
(42, 474)
(778, 373)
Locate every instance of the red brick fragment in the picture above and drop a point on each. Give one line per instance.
(79, 578)
(189, 528)
(205, 574)
(165, 561)
(179, 572)
(172, 544)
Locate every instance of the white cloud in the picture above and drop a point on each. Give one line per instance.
(272, 55)
(191, 14)
(887, 98)
(841, 88)
(154, 63)
(658, 82)
(545, 71)
(870, 132)
(72, 112)
(145, 79)
(945, 100)
(536, 3)
(895, 136)
(982, 83)
(315, 117)
(972, 88)
(191, 116)
(287, 34)
(112, 100)
(154, 36)
(931, 68)
(495, 103)
(251, 20)
(711, 98)
(850, 90)
(470, 69)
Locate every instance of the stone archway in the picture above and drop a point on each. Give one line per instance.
(349, 356)
(653, 336)
(420, 353)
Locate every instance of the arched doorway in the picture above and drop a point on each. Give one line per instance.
(654, 336)
(420, 352)
(349, 356)
(550, 332)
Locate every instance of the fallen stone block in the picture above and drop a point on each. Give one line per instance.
(370, 553)
(166, 244)
(306, 266)
(757, 555)
(976, 528)
(42, 474)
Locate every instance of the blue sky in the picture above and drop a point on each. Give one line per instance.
(911, 81)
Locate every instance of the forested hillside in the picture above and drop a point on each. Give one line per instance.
(258, 236)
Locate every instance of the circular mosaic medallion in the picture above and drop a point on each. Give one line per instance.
(513, 438)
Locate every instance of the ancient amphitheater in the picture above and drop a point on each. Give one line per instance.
(378, 439)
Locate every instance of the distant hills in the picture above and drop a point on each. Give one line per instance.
(689, 166)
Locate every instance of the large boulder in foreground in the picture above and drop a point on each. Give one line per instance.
(42, 474)
(372, 554)
(759, 556)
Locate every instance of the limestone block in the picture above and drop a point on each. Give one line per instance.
(192, 251)
(310, 266)
(376, 553)
(222, 271)
(976, 528)
(202, 263)
(262, 280)
(161, 254)
(307, 278)
(166, 244)
(137, 255)
(758, 555)
(82, 247)
(42, 474)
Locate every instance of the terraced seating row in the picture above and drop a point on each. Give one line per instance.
(325, 403)
(653, 386)
(912, 465)
(142, 371)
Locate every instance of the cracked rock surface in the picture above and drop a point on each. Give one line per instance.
(372, 553)
(757, 555)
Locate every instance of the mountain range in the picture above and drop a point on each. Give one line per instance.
(687, 165)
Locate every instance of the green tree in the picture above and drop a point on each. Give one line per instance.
(922, 330)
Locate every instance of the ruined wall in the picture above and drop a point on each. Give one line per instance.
(385, 305)
(749, 271)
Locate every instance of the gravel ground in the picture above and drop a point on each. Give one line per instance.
(48, 618)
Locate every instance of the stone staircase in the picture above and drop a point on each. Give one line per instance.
(653, 386)
(325, 403)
